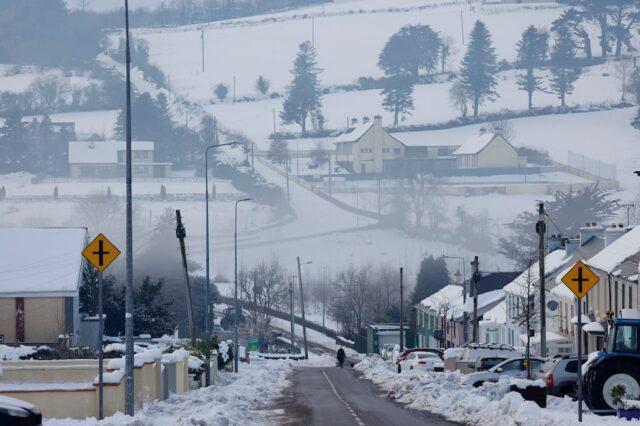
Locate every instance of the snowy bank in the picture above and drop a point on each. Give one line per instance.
(492, 404)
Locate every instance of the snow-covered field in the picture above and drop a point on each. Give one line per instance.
(490, 405)
(347, 43)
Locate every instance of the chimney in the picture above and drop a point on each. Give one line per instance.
(590, 230)
(354, 122)
(365, 119)
(483, 130)
(377, 120)
(613, 233)
(554, 242)
(571, 244)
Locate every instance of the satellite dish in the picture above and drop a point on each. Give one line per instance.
(552, 305)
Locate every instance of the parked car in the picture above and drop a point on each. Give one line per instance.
(419, 360)
(387, 350)
(18, 413)
(484, 363)
(559, 373)
(465, 359)
(514, 367)
(409, 351)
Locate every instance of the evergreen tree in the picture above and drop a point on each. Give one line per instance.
(564, 67)
(532, 51)
(151, 310)
(221, 91)
(411, 49)
(120, 128)
(432, 277)
(14, 155)
(577, 22)
(303, 94)
(479, 67)
(278, 152)
(208, 130)
(598, 11)
(262, 85)
(398, 96)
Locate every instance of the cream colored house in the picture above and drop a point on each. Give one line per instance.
(488, 150)
(106, 159)
(40, 277)
(364, 148)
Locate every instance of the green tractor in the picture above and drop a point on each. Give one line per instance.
(618, 364)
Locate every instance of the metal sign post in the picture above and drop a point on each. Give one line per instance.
(580, 280)
(100, 253)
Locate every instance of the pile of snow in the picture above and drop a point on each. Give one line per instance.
(492, 404)
(111, 377)
(11, 353)
(233, 400)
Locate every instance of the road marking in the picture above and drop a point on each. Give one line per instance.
(353, 413)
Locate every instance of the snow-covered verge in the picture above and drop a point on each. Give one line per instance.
(234, 400)
(492, 404)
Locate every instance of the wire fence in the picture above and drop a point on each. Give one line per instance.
(597, 168)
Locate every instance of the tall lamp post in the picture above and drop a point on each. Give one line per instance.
(128, 316)
(236, 349)
(207, 328)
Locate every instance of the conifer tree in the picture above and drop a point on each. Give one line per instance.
(532, 51)
(564, 68)
(432, 277)
(398, 96)
(479, 67)
(303, 94)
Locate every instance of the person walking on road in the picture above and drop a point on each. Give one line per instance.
(341, 357)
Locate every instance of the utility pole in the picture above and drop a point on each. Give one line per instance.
(129, 396)
(304, 325)
(324, 294)
(330, 170)
(274, 121)
(253, 167)
(288, 193)
(181, 234)
(202, 37)
(293, 320)
(462, 27)
(401, 312)
(313, 31)
(475, 268)
(379, 202)
(540, 229)
(234, 89)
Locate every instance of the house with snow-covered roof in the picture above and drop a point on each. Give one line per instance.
(616, 265)
(487, 150)
(364, 148)
(40, 278)
(107, 159)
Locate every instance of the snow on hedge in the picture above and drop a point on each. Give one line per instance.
(492, 404)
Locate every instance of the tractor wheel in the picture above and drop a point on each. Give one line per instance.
(600, 382)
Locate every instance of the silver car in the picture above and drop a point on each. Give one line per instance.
(514, 367)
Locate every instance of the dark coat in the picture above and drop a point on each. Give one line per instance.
(341, 354)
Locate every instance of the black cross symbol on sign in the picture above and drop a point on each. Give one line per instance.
(580, 280)
(101, 252)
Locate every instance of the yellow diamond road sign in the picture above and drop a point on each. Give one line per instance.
(580, 279)
(101, 252)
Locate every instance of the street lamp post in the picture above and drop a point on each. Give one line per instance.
(236, 349)
(207, 328)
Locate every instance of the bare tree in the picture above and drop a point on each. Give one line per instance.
(504, 128)
(423, 200)
(350, 303)
(98, 212)
(622, 70)
(459, 98)
(265, 287)
(49, 92)
(447, 50)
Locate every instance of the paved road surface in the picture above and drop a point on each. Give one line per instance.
(337, 397)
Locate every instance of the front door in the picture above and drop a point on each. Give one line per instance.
(363, 168)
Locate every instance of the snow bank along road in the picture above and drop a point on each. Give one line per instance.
(337, 397)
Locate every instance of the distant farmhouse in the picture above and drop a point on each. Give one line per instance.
(365, 148)
(369, 148)
(106, 159)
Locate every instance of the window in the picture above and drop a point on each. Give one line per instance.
(140, 154)
(630, 297)
(514, 365)
(536, 365)
(396, 151)
(623, 295)
(626, 339)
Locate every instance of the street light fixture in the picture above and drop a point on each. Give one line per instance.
(207, 328)
(236, 349)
